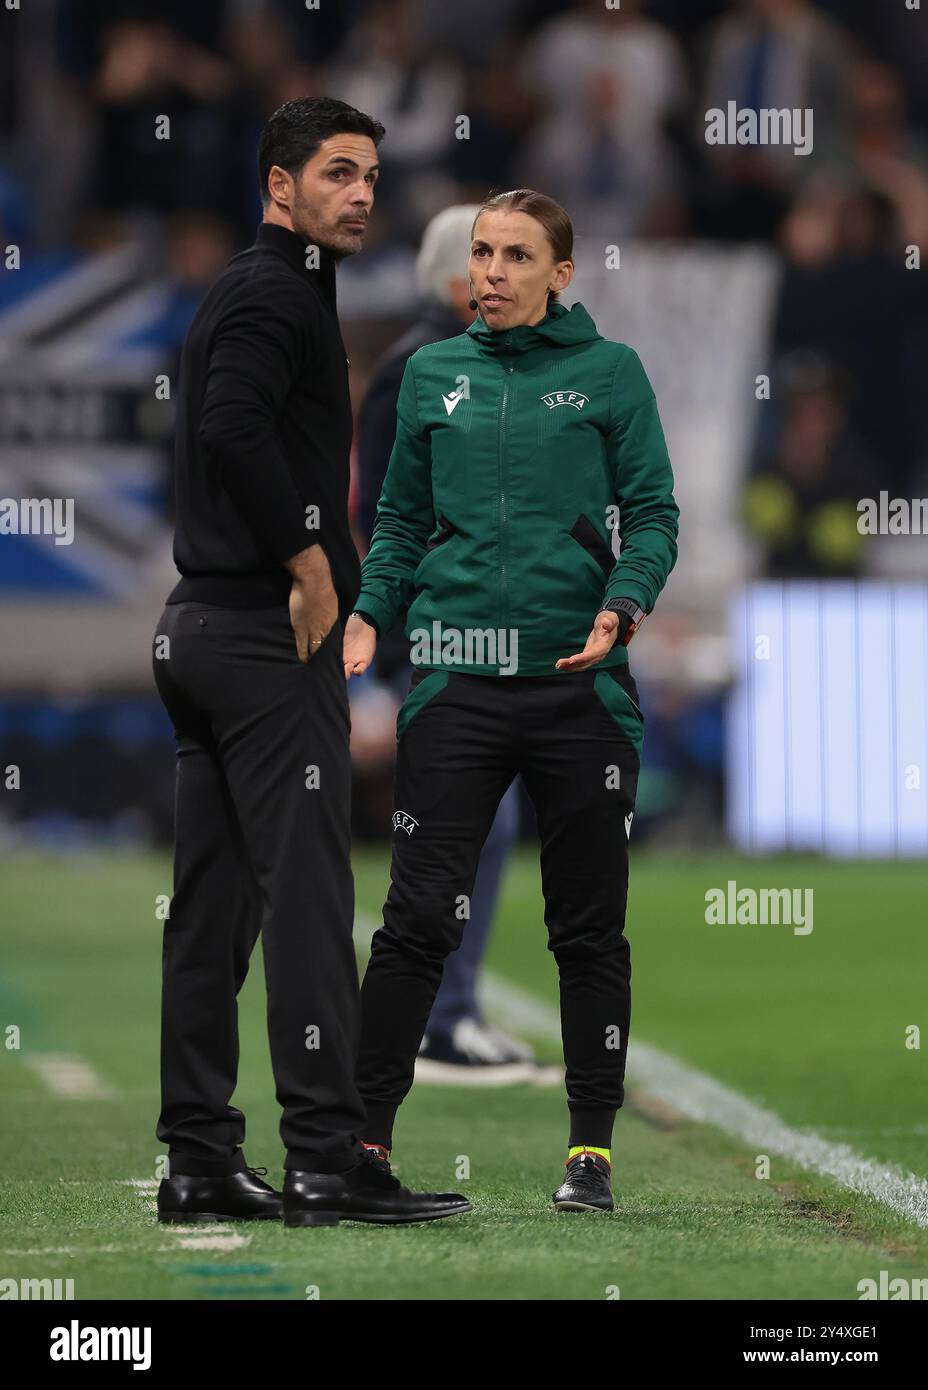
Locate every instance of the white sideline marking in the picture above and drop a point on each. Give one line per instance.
(216, 1242)
(702, 1098)
(72, 1250)
(68, 1076)
(520, 1009)
(47, 1250)
(711, 1102)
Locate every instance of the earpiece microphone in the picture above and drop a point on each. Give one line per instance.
(473, 303)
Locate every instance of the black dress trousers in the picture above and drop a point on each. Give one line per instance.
(263, 806)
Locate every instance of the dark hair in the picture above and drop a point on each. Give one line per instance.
(293, 134)
(558, 226)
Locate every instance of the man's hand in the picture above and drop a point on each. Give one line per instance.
(600, 641)
(358, 646)
(313, 600)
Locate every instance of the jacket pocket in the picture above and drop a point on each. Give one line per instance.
(585, 533)
(444, 533)
(617, 691)
(421, 692)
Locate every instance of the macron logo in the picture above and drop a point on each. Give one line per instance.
(452, 399)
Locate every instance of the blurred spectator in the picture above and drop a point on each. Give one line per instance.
(136, 63)
(607, 82)
(885, 152)
(847, 295)
(417, 94)
(196, 249)
(603, 108)
(895, 34)
(10, 77)
(314, 37)
(472, 32)
(769, 54)
(16, 223)
(802, 502)
(498, 116)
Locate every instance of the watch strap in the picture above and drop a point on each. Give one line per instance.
(359, 613)
(630, 615)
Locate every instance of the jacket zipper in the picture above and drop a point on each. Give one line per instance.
(503, 518)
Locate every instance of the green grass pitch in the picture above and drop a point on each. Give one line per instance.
(810, 1027)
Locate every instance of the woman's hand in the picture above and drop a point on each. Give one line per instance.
(358, 646)
(600, 641)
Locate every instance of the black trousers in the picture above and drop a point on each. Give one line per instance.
(576, 740)
(262, 839)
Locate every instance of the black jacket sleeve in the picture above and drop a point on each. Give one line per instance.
(261, 347)
(376, 433)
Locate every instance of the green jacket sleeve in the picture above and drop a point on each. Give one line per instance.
(405, 517)
(648, 513)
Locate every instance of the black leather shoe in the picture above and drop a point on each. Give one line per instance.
(235, 1197)
(587, 1186)
(366, 1192)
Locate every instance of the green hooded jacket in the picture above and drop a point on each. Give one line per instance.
(518, 452)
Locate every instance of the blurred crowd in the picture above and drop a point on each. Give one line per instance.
(602, 108)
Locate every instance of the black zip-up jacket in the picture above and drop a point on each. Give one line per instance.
(263, 432)
(377, 415)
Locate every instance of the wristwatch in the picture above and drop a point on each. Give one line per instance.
(630, 615)
(356, 613)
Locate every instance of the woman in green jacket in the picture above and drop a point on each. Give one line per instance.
(521, 445)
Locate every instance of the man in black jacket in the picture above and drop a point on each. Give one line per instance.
(248, 662)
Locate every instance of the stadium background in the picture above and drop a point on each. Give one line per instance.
(783, 674)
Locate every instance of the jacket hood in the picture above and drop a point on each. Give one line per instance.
(561, 326)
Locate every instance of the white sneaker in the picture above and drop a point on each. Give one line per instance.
(474, 1055)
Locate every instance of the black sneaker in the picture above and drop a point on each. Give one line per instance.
(367, 1192)
(234, 1197)
(587, 1186)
